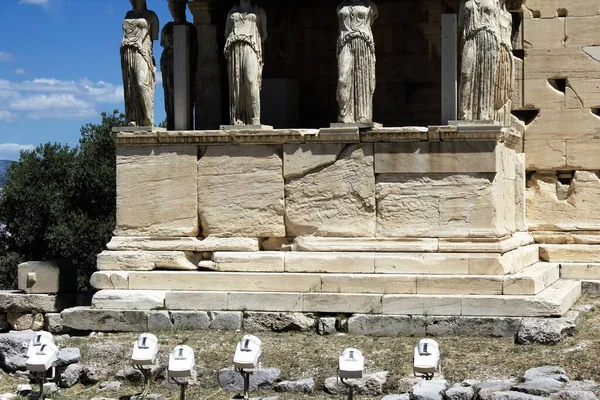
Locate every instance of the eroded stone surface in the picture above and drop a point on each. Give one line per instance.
(147, 260)
(334, 200)
(240, 191)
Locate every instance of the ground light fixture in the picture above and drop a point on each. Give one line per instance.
(247, 358)
(426, 360)
(42, 353)
(144, 354)
(351, 366)
(181, 366)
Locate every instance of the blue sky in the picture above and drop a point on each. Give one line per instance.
(60, 68)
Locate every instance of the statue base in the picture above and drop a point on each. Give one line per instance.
(138, 129)
(360, 125)
(245, 127)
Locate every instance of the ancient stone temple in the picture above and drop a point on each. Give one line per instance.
(493, 215)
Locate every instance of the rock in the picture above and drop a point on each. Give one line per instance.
(573, 395)
(130, 374)
(334, 197)
(186, 320)
(147, 260)
(225, 320)
(70, 376)
(102, 398)
(298, 386)
(585, 308)
(460, 393)
(277, 322)
(25, 321)
(586, 386)
(369, 385)
(245, 181)
(326, 326)
(513, 396)
(160, 321)
(92, 375)
(403, 396)
(549, 371)
(67, 356)
(13, 350)
(53, 323)
(18, 302)
(111, 386)
(232, 381)
(483, 390)
(547, 330)
(8, 396)
(171, 385)
(128, 299)
(89, 319)
(50, 389)
(539, 387)
(22, 376)
(429, 390)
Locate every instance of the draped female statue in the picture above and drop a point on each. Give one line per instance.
(177, 8)
(506, 73)
(356, 61)
(140, 29)
(246, 31)
(479, 22)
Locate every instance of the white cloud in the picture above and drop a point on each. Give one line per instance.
(49, 98)
(4, 56)
(20, 71)
(36, 2)
(10, 151)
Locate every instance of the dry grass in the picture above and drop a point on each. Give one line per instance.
(301, 355)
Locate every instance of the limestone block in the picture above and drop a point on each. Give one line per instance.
(156, 191)
(278, 322)
(435, 157)
(386, 325)
(350, 283)
(435, 263)
(520, 193)
(587, 90)
(241, 191)
(540, 8)
(277, 244)
(461, 284)
(570, 253)
(183, 244)
(310, 243)
(109, 280)
(508, 263)
(190, 320)
(581, 271)
(485, 245)
(580, 31)
(88, 319)
(546, 154)
(584, 154)
(572, 100)
(538, 93)
(553, 301)
(330, 262)
(435, 205)
(159, 321)
(340, 302)
(228, 244)
(248, 301)
(300, 159)
(578, 207)
(576, 237)
(128, 299)
(59, 276)
(192, 300)
(263, 261)
(544, 33)
(18, 302)
(580, 8)
(337, 199)
(25, 321)
(146, 260)
(225, 320)
(531, 280)
(225, 281)
(560, 62)
(421, 304)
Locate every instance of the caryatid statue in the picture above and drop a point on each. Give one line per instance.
(178, 9)
(356, 61)
(245, 32)
(480, 51)
(506, 69)
(140, 29)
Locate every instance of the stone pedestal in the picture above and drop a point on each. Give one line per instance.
(405, 221)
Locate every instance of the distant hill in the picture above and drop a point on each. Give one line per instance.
(3, 168)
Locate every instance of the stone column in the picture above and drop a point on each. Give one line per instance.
(208, 73)
(181, 75)
(449, 68)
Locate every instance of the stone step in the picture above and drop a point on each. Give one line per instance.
(581, 271)
(572, 253)
(530, 280)
(552, 301)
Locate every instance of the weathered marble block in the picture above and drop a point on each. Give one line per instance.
(330, 190)
(240, 191)
(156, 191)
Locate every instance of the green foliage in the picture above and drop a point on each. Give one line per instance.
(59, 202)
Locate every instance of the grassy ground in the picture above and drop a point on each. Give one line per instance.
(301, 355)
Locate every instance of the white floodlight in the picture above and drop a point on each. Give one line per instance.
(246, 358)
(426, 359)
(181, 365)
(42, 353)
(351, 364)
(144, 354)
